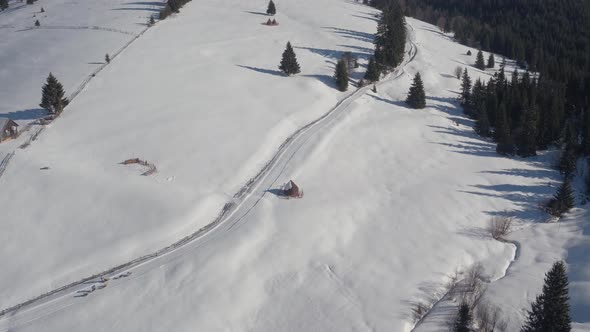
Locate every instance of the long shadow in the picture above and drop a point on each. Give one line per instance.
(257, 13)
(326, 79)
(398, 103)
(371, 18)
(352, 34)
(276, 192)
(147, 3)
(364, 51)
(263, 70)
(30, 114)
(138, 9)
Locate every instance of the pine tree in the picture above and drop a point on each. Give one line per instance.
(479, 61)
(372, 74)
(527, 142)
(37, 23)
(42, 10)
(341, 75)
(463, 320)
(503, 136)
(272, 9)
(289, 63)
(491, 61)
(482, 124)
(465, 89)
(586, 133)
(417, 96)
(107, 58)
(568, 160)
(550, 311)
(390, 40)
(469, 52)
(53, 99)
(563, 200)
(151, 21)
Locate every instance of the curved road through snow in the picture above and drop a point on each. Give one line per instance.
(233, 212)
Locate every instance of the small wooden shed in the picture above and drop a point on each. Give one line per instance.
(8, 129)
(293, 190)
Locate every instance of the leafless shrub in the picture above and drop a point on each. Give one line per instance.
(500, 226)
(458, 71)
(419, 310)
(489, 318)
(474, 287)
(452, 284)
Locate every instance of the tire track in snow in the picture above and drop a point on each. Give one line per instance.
(227, 217)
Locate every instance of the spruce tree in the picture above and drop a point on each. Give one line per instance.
(505, 144)
(527, 142)
(482, 124)
(491, 61)
(42, 10)
(463, 320)
(586, 133)
(151, 21)
(271, 9)
(289, 63)
(53, 99)
(465, 89)
(563, 200)
(372, 74)
(568, 160)
(341, 75)
(3, 4)
(479, 61)
(107, 58)
(37, 23)
(417, 97)
(550, 311)
(390, 40)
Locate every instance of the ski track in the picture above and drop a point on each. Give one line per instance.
(243, 199)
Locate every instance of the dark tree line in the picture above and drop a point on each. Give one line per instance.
(390, 39)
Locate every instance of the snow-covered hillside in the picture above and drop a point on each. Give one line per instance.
(395, 200)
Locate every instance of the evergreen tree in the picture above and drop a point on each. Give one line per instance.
(476, 100)
(563, 200)
(463, 320)
(341, 75)
(550, 311)
(469, 52)
(271, 9)
(465, 89)
(107, 58)
(479, 61)
(586, 133)
(567, 162)
(417, 96)
(491, 61)
(289, 63)
(390, 40)
(503, 136)
(3, 4)
(42, 10)
(151, 21)
(527, 142)
(53, 99)
(372, 74)
(37, 23)
(482, 124)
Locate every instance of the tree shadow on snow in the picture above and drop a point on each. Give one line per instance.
(30, 114)
(263, 70)
(352, 34)
(326, 79)
(398, 103)
(257, 13)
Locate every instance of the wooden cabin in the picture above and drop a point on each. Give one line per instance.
(8, 129)
(293, 190)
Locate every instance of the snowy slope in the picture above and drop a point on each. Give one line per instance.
(71, 42)
(395, 201)
(208, 109)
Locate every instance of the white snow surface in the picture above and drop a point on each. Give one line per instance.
(395, 199)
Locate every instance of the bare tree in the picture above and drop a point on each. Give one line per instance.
(489, 318)
(500, 226)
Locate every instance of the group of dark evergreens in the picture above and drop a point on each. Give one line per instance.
(549, 312)
(549, 38)
(172, 6)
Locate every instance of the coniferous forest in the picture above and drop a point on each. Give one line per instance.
(550, 39)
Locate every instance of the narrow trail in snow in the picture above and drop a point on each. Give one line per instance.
(244, 200)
